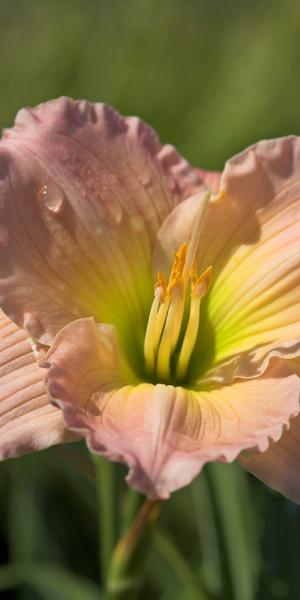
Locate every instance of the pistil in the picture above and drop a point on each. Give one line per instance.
(171, 331)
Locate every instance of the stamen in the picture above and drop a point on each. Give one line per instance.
(149, 339)
(160, 321)
(178, 265)
(200, 286)
(161, 284)
(167, 310)
(150, 336)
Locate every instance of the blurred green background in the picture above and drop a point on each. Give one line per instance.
(211, 76)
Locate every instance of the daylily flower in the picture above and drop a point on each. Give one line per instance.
(163, 372)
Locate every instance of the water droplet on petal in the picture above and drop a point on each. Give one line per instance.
(52, 198)
(4, 237)
(146, 180)
(42, 191)
(138, 223)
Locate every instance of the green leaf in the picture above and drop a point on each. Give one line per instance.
(234, 505)
(107, 509)
(25, 534)
(182, 571)
(206, 525)
(49, 582)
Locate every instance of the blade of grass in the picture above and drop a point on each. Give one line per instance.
(207, 532)
(25, 517)
(107, 510)
(180, 566)
(49, 581)
(226, 483)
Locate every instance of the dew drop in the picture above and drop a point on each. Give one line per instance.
(146, 180)
(137, 223)
(114, 213)
(53, 199)
(42, 192)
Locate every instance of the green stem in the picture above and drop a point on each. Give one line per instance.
(107, 512)
(132, 503)
(128, 560)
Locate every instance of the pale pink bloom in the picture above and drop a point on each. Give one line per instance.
(92, 207)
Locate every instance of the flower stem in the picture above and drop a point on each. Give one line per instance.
(132, 502)
(128, 560)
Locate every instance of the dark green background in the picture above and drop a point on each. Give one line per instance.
(212, 76)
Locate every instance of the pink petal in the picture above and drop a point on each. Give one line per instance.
(279, 466)
(28, 421)
(85, 191)
(251, 239)
(83, 358)
(212, 179)
(164, 433)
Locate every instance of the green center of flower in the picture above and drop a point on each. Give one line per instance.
(167, 352)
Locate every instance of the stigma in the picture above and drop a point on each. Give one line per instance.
(168, 349)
